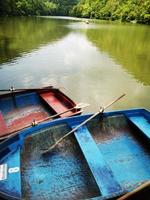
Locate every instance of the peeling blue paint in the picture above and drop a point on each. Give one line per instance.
(142, 123)
(21, 100)
(101, 172)
(127, 159)
(12, 185)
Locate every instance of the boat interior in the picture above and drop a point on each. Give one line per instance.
(18, 110)
(107, 157)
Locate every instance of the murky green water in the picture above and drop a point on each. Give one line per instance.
(93, 62)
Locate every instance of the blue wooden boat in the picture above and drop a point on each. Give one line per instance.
(104, 159)
(18, 108)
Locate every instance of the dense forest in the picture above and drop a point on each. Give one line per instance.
(124, 10)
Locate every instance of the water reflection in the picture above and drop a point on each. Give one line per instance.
(82, 26)
(22, 35)
(91, 64)
(51, 63)
(129, 45)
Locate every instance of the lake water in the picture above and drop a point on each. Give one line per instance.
(92, 63)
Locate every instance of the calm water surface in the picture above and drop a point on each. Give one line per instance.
(92, 63)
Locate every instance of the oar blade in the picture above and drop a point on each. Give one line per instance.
(81, 105)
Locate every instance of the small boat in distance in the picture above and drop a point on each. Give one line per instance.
(104, 159)
(22, 107)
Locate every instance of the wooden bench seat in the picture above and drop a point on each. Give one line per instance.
(56, 104)
(102, 173)
(141, 123)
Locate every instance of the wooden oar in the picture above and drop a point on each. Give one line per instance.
(78, 106)
(34, 123)
(141, 188)
(84, 122)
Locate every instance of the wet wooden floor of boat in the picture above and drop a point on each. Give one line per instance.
(124, 148)
(19, 118)
(62, 174)
(20, 110)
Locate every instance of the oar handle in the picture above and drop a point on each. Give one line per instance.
(131, 194)
(108, 105)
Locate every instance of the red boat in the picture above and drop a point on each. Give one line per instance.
(22, 108)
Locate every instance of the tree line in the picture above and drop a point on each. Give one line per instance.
(124, 10)
(36, 7)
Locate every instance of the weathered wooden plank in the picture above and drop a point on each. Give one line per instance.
(100, 170)
(56, 104)
(141, 123)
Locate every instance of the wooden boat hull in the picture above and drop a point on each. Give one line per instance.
(19, 109)
(106, 158)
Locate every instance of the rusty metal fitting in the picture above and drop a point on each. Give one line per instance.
(34, 123)
(101, 109)
(12, 89)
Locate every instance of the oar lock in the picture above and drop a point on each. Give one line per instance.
(12, 89)
(101, 109)
(34, 122)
